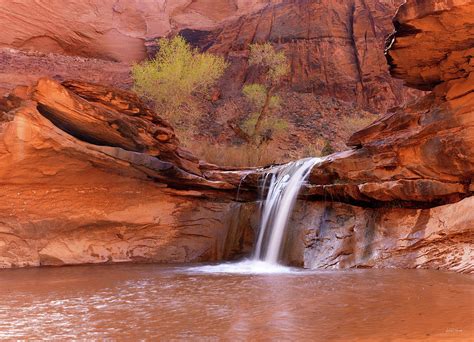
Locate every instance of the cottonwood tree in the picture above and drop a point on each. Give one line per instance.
(176, 76)
(273, 67)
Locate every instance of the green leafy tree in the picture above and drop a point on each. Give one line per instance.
(273, 67)
(176, 75)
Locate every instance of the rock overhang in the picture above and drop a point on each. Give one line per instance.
(433, 42)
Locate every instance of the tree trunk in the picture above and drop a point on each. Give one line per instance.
(263, 113)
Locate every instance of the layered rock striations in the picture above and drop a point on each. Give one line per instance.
(423, 152)
(422, 52)
(420, 155)
(89, 174)
(23, 69)
(334, 48)
(108, 29)
(338, 236)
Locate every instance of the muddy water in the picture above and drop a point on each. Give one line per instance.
(129, 302)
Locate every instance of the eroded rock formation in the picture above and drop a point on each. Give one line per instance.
(81, 183)
(425, 151)
(422, 154)
(334, 47)
(89, 174)
(337, 235)
(20, 68)
(108, 29)
(422, 53)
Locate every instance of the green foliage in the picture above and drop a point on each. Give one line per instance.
(327, 149)
(270, 126)
(255, 94)
(275, 63)
(175, 75)
(273, 66)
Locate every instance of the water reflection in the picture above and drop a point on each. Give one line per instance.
(149, 301)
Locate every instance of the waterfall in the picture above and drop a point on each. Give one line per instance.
(284, 183)
(279, 190)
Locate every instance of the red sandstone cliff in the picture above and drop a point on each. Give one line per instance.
(90, 174)
(335, 47)
(108, 29)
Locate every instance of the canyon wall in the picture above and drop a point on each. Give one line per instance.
(332, 235)
(81, 183)
(335, 48)
(419, 156)
(108, 29)
(90, 174)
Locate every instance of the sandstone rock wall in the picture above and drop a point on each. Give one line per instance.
(423, 152)
(422, 53)
(118, 220)
(338, 236)
(89, 174)
(418, 157)
(334, 47)
(80, 182)
(108, 29)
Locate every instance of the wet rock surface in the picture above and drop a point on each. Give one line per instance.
(336, 236)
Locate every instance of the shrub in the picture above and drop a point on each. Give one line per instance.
(327, 149)
(245, 155)
(354, 124)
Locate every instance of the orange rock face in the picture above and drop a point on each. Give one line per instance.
(107, 29)
(422, 52)
(337, 236)
(334, 47)
(20, 68)
(420, 155)
(81, 184)
(425, 151)
(89, 174)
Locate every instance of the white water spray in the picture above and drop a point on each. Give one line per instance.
(284, 185)
(276, 205)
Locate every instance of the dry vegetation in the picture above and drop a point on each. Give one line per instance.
(261, 125)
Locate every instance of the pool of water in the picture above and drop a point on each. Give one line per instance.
(244, 302)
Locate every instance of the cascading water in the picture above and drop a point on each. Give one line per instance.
(279, 189)
(284, 183)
